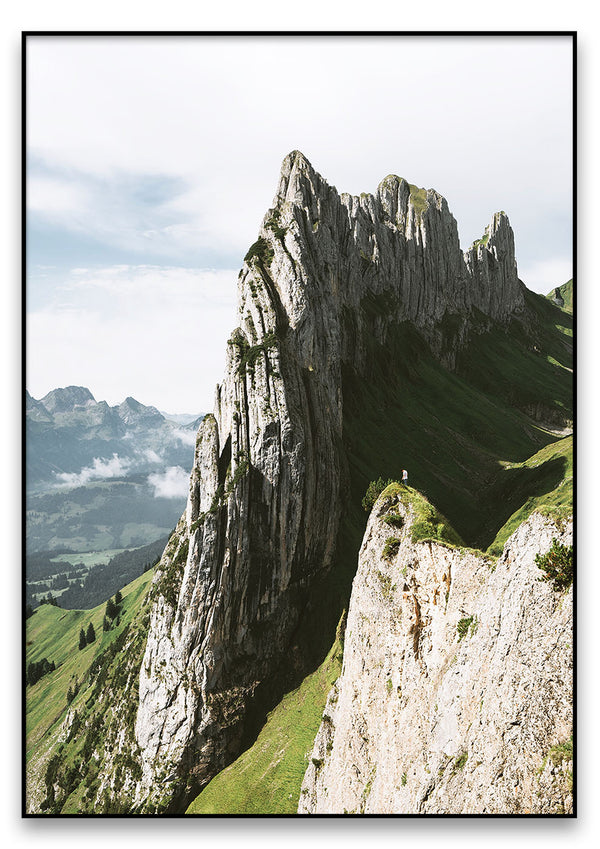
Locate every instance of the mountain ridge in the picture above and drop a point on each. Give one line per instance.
(68, 430)
(101, 477)
(329, 275)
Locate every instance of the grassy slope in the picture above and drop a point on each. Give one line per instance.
(267, 777)
(566, 290)
(428, 524)
(54, 633)
(544, 482)
(456, 431)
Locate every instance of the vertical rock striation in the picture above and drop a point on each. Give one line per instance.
(264, 501)
(456, 682)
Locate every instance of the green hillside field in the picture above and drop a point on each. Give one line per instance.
(566, 290)
(53, 633)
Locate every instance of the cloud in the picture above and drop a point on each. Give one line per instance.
(151, 456)
(157, 333)
(172, 483)
(186, 437)
(101, 469)
(172, 136)
(54, 197)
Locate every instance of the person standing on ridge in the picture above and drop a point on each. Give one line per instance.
(404, 477)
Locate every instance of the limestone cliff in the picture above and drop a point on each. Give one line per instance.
(264, 501)
(456, 688)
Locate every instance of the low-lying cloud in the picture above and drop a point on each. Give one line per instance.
(101, 469)
(172, 483)
(186, 437)
(151, 456)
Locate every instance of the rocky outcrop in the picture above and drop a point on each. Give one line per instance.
(264, 502)
(456, 688)
(495, 288)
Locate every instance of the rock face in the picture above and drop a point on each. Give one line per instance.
(491, 263)
(264, 501)
(456, 681)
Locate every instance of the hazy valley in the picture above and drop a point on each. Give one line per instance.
(100, 481)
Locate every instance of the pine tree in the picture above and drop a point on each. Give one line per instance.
(82, 640)
(105, 624)
(90, 635)
(118, 598)
(111, 609)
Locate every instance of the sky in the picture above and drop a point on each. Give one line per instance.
(152, 160)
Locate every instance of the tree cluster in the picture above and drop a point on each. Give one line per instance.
(72, 691)
(50, 600)
(86, 637)
(37, 669)
(373, 492)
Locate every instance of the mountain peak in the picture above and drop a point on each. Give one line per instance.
(64, 400)
(132, 412)
(298, 160)
(131, 403)
(298, 180)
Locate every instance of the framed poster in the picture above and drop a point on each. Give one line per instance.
(299, 424)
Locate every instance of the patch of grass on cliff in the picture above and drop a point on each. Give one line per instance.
(459, 762)
(483, 240)
(266, 779)
(419, 199)
(544, 482)
(562, 752)
(260, 250)
(462, 627)
(429, 523)
(249, 354)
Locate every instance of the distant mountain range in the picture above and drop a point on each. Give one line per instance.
(102, 478)
(72, 438)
